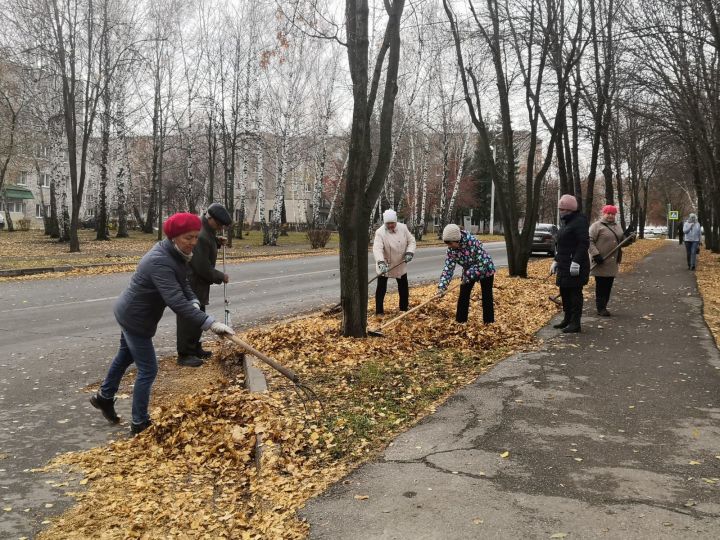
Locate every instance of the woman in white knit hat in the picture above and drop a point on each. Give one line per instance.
(393, 248)
(467, 251)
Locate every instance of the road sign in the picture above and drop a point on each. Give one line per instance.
(673, 214)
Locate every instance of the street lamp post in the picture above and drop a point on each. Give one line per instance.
(492, 195)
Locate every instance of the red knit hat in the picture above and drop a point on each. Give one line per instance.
(181, 223)
(609, 209)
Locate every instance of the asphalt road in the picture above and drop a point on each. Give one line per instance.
(59, 335)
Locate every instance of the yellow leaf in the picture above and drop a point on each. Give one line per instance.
(693, 462)
(559, 535)
(505, 455)
(362, 497)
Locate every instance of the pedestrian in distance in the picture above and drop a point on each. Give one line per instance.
(393, 247)
(202, 275)
(160, 280)
(692, 232)
(605, 236)
(680, 235)
(467, 251)
(572, 262)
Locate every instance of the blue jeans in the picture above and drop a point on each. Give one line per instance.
(141, 351)
(691, 248)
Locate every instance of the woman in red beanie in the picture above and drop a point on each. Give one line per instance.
(605, 235)
(161, 280)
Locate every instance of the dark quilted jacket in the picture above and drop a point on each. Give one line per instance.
(573, 242)
(160, 280)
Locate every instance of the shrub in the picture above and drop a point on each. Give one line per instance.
(318, 237)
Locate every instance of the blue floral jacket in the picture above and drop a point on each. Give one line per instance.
(475, 261)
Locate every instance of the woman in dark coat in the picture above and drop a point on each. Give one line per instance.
(572, 262)
(161, 280)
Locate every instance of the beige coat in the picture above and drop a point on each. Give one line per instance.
(603, 241)
(391, 247)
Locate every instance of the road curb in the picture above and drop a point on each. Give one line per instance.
(255, 382)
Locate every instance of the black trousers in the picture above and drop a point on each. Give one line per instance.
(463, 303)
(188, 336)
(381, 290)
(603, 286)
(572, 300)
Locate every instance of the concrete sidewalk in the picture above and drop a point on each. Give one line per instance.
(612, 433)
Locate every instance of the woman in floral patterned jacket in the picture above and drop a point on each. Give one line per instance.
(467, 251)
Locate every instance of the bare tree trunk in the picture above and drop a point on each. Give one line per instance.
(360, 195)
(123, 178)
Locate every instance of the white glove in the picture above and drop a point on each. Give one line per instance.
(553, 268)
(383, 267)
(222, 329)
(196, 303)
(408, 257)
(574, 269)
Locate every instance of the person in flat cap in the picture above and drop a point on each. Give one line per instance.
(477, 265)
(606, 234)
(393, 247)
(160, 281)
(572, 263)
(202, 274)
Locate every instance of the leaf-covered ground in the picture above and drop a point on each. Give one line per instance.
(708, 279)
(194, 474)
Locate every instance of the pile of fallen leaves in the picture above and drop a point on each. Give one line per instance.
(194, 473)
(708, 280)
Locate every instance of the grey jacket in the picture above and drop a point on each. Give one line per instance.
(692, 231)
(202, 265)
(160, 280)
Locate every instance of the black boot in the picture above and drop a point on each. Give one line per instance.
(106, 406)
(189, 361)
(202, 353)
(563, 323)
(572, 328)
(139, 428)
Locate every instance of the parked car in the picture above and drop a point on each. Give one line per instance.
(2, 219)
(545, 238)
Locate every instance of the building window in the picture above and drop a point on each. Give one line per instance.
(13, 206)
(42, 151)
(23, 178)
(38, 211)
(44, 180)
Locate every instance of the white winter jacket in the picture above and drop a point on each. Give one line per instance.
(391, 248)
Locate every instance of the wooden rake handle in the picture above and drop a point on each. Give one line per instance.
(409, 311)
(289, 373)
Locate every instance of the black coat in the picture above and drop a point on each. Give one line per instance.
(202, 264)
(161, 280)
(573, 242)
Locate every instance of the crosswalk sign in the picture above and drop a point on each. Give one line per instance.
(673, 214)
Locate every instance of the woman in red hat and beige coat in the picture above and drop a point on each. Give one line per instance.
(605, 235)
(160, 280)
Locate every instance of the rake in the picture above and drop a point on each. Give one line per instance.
(337, 307)
(378, 331)
(556, 298)
(304, 391)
